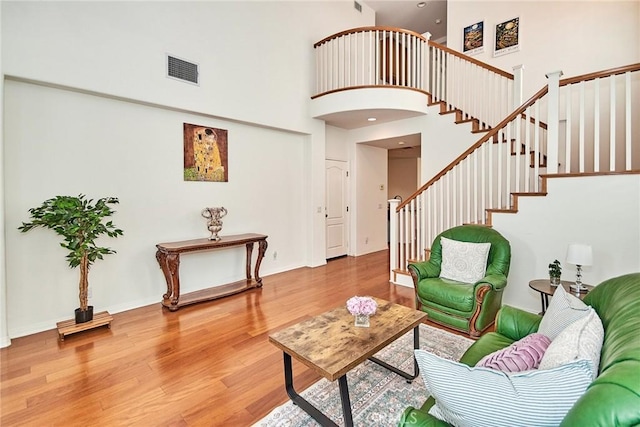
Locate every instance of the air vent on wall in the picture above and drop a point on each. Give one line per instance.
(357, 6)
(182, 70)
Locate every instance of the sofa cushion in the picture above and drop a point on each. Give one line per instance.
(522, 355)
(464, 262)
(563, 310)
(580, 340)
(467, 396)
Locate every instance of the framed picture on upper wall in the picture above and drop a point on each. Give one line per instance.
(507, 37)
(473, 39)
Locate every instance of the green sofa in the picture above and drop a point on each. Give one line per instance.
(613, 398)
(466, 307)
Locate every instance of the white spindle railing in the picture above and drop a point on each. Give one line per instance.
(599, 120)
(371, 57)
(508, 159)
(478, 90)
(593, 126)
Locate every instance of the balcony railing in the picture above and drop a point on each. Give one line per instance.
(371, 57)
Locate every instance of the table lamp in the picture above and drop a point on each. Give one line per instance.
(579, 255)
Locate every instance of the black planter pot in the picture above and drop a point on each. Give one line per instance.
(84, 316)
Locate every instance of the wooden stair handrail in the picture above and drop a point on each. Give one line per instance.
(472, 60)
(600, 74)
(368, 29)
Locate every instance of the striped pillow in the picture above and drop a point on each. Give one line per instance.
(563, 310)
(477, 397)
(520, 356)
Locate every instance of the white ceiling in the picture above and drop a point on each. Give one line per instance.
(406, 14)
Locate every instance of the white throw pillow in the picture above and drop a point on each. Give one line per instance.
(563, 310)
(463, 261)
(478, 397)
(580, 340)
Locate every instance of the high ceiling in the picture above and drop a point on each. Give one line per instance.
(431, 18)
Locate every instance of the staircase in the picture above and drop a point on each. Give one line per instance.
(574, 126)
(588, 130)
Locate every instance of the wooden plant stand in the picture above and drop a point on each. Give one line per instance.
(69, 327)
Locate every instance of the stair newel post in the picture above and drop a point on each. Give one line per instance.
(426, 63)
(553, 120)
(393, 238)
(518, 78)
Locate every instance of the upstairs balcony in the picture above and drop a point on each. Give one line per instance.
(393, 74)
(370, 71)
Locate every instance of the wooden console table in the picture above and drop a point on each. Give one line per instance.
(168, 256)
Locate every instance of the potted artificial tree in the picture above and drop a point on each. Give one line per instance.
(79, 222)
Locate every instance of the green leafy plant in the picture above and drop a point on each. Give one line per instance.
(80, 223)
(555, 269)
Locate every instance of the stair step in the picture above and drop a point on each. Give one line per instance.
(539, 194)
(510, 210)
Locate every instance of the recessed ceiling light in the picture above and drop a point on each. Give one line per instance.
(422, 4)
(372, 119)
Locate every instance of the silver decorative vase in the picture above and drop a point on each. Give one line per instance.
(214, 223)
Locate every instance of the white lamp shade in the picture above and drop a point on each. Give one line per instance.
(579, 254)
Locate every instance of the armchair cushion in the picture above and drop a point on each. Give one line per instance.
(467, 396)
(459, 297)
(463, 261)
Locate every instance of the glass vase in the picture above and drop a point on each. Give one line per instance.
(555, 281)
(362, 320)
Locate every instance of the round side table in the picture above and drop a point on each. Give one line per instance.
(544, 287)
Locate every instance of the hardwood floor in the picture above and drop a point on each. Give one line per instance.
(207, 364)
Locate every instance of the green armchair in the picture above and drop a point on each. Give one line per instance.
(466, 307)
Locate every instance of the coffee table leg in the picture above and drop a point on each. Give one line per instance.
(305, 405)
(346, 402)
(409, 377)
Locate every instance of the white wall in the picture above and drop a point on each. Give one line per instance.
(252, 55)
(602, 211)
(105, 147)
(443, 141)
(4, 331)
(576, 37)
(370, 212)
(108, 122)
(403, 177)
(337, 144)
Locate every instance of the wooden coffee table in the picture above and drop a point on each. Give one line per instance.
(331, 345)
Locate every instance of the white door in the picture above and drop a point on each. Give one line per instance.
(337, 209)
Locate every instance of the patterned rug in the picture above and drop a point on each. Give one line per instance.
(378, 396)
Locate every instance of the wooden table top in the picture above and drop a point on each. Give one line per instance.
(332, 345)
(205, 243)
(544, 286)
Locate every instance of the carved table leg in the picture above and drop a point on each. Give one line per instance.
(262, 248)
(170, 263)
(249, 251)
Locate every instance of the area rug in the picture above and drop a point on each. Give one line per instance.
(378, 396)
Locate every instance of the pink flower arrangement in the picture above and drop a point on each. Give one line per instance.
(362, 306)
